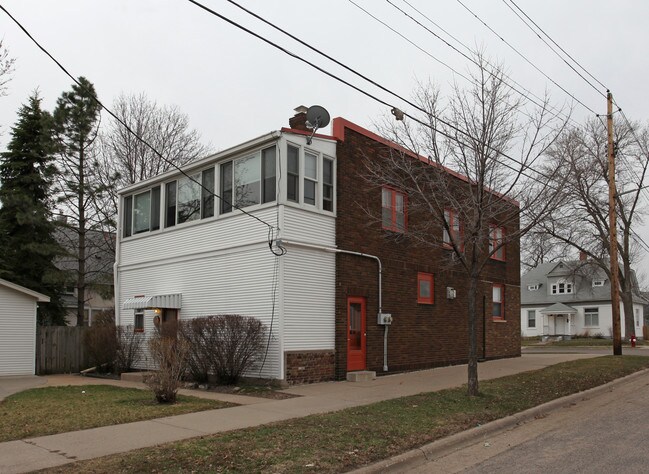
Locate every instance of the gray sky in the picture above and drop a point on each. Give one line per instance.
(234, 87)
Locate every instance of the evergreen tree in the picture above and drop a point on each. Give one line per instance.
(29, 249)
(76, 118)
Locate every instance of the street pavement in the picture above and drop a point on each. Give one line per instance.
(56, 450)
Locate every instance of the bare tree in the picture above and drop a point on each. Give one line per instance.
(473, 134)
(582, 221)
(124, 158)
(6, 68)
(537, 247)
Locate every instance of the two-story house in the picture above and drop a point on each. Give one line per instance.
(569, 298)
(344, 296)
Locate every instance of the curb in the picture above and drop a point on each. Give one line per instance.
(445, 446)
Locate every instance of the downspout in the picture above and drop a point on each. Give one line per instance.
(358, 254)
(118, 245)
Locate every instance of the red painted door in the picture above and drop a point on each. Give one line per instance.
(356, 334)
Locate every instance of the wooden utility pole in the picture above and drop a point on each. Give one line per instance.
(612, 221)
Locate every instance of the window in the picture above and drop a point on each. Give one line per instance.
(170, 205)
(598, 282)
(532, 287)
(425, 287)
(496, 236)
(328, 184)
(249, 180)
(310, 178)
(293, 174)
(207, 193)
(562, 288)
(531, 318)
(498, 302)
(142, 212)
(455, 227)
(394, 210)
(188, 198)
(138, 322)
(637, 318)
(591, 317)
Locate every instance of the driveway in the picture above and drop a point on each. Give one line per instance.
(11, 385)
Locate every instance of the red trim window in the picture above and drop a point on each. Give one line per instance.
(498, 301)
(457, 230)
(395, 210)
(425, 288)
(496, 239)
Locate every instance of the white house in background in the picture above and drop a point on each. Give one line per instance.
(571, 298)
(18, 328)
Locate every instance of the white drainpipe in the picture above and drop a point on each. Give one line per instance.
(358, 254)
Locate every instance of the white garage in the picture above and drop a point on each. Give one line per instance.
(18, 328)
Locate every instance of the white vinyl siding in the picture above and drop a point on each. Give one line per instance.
(17, 333)
(309, 299)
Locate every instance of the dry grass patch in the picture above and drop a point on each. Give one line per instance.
(351, 438)
(50, 410)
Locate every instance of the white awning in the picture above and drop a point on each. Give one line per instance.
(157, 301)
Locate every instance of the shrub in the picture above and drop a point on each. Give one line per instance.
(195, 332)
(100, 341)
(226, 345)
(129, 349)
(170, 356)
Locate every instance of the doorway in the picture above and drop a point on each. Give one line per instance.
(356, 334)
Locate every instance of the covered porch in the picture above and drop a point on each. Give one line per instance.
(558, 320)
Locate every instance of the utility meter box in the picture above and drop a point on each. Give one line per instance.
(385, 318)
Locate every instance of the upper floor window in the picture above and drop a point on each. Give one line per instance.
(309, 178)
(141, 212)
(598, 282)
(455, 227)
(249, 180)
(425, 287)
(562, 288)
(532, 287)
(496, 239)
(190, 198)
(395, 212)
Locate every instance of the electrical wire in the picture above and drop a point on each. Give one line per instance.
(551, 48)
(522, 56)
(271, 230)
(377, 99)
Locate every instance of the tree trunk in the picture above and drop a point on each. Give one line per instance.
(472, 382)
(81, 250)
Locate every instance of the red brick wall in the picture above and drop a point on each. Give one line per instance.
(309, 366)
(421, 336)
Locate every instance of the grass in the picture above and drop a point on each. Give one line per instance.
(49, 410)
(351, 438)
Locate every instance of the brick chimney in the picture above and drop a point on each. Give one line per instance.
(298, 121)
(583, 256)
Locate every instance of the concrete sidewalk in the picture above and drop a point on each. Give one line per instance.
(55, 450)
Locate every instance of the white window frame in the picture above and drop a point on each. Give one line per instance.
(302, 178)
(563, 287)
(532, 287)
(591, 312)
(531, 312)
(598, 282)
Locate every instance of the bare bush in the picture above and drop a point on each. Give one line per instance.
(226, 345)
(100, 341)
(129, 349)
(170, 356)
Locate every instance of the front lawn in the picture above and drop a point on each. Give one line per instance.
(344, 440)
(49, 410)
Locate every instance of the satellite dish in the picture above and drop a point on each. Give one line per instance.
(316, 117)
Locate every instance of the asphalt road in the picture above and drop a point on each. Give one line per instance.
(604, 434)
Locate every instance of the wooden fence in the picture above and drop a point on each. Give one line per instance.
(60, 350)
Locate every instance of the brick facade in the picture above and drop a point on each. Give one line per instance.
(309, 366)
(422, 335)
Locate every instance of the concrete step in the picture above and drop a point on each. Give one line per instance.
(134, 376)
(361, 376)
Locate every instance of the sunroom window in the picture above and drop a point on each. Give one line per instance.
(142, 212)
(249, 180)
(190, 198)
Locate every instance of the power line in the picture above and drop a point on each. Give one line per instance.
(374, 97)
(550, 46)
(522, 56)
(558, 46)
(271, 229)
(526, 93)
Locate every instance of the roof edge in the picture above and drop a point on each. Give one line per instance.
(40, 297)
